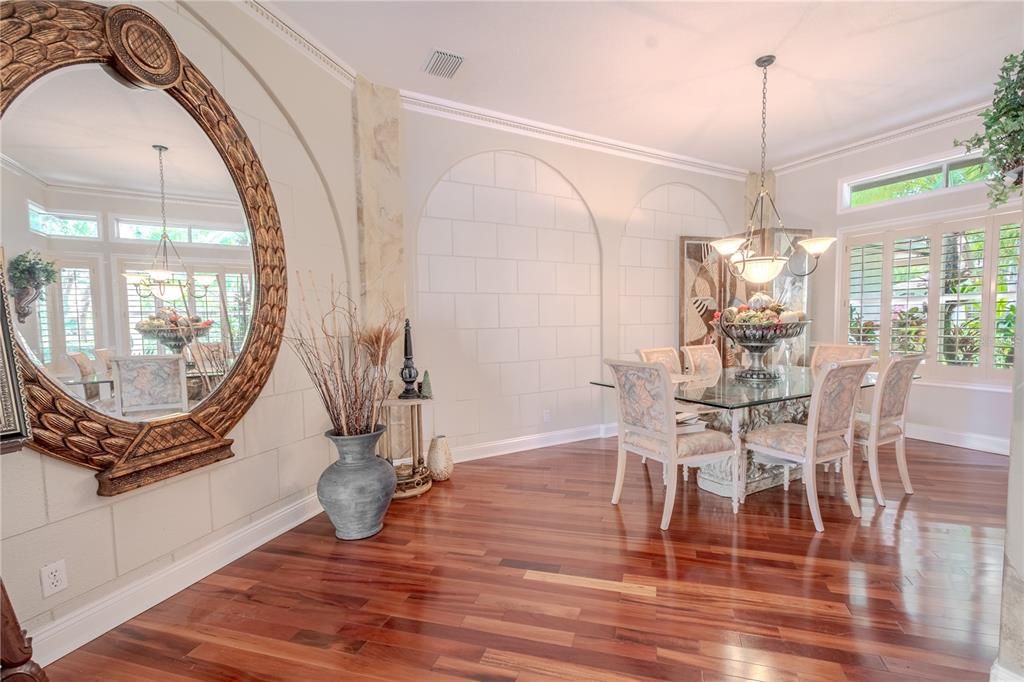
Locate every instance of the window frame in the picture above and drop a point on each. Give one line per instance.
(847, 185)
(31, 206)
(188, 226)
(985, 375)
(55, 308)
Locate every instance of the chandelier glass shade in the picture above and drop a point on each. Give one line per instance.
(159, 279)
(739, 253)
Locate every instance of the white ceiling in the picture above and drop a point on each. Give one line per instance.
(679, 77)
(79, 126)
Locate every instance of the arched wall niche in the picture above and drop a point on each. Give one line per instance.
(650, 311)
(508, 300)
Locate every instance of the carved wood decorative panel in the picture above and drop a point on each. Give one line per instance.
(38, 37)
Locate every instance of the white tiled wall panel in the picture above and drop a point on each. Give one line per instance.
(509, 312)
(649, 264)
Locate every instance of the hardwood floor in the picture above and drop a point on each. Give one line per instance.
(520, 569)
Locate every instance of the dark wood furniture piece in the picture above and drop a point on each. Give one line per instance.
(37, 38)
(16, 664)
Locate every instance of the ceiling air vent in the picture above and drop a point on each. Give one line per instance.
(443, 64)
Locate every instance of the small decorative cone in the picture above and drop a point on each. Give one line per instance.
(439, 459)
(426, 391)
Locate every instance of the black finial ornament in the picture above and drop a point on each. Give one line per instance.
(409, 372)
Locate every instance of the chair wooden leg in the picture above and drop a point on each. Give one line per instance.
(827, 465)
(901, 462)
(876, 484)
(785, 476)
(850, 485)
(670, 495)
(739, 475)
(686, 473)
(643, 460)
(811, 486)
(620, 475)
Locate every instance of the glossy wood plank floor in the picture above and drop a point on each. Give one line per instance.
(520, 569)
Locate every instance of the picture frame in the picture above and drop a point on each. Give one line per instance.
(14, 424)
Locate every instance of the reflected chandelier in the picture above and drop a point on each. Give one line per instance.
(741, 259)
(159, 279)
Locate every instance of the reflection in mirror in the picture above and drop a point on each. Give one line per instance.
(129, 257)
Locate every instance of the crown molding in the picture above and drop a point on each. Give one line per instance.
(881, 139)
(320, 55)
(10, 164)
(412, 101)
(442, 108)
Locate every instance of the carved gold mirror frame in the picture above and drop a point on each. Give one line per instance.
(38, 37)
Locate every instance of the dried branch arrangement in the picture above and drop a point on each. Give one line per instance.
(346, 359)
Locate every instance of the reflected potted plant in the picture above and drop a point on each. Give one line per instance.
(1002, 142)
(347, 361)
(29, 274)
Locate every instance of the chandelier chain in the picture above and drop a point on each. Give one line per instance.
(764, 121)
(163, 196)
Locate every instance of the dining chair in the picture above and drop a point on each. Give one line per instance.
(827, 436)
(886, 423)
(103, 356)
(704, 359)
(836, 352)
(670, 358)
(150, 383)
(85, 369)
(647, 427)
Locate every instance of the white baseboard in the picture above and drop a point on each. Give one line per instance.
(1001, 674)
(963, 439)
(66, 634)
(466, 453)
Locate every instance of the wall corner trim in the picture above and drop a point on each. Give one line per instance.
(1001, 674)
(64, 635)
(468, 453)
(962, 439)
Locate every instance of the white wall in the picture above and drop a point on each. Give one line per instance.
(808, 198)
(50, 508)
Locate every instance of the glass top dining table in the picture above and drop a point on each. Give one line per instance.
(724, 391)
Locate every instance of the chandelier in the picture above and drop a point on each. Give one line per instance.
(159, 279)
(740, 256)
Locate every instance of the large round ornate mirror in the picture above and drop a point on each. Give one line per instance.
(131, 260)
(143, 248)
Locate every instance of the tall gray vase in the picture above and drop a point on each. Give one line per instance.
(356, 490)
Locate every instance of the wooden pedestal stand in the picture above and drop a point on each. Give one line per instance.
(414, 477)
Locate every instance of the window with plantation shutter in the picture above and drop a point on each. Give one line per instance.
(864, 289)
(960, 293)
(1006, 277)
(43, 317)
(908, 332)
(948, 290)
(78, 317)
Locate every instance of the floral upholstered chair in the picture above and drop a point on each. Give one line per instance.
(670, 358)
(85, 369)
(828, 352)
(887, 421)
(702, 360)
(647, 427)
(150, 383)
(827, 436)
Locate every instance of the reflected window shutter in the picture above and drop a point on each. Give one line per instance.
(864, 285)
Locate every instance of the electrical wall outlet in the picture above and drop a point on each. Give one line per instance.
(54, 578)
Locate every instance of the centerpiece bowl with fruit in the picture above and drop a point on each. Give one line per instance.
(757, 327)
(172, 330)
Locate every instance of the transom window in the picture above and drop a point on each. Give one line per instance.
(143, 230)
(948, 290)
(914, 181)
(52, 224)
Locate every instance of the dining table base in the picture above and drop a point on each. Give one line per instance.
(716, 477)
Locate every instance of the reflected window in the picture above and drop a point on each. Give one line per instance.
(141, 230)
(62, 224)
(76, 302)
